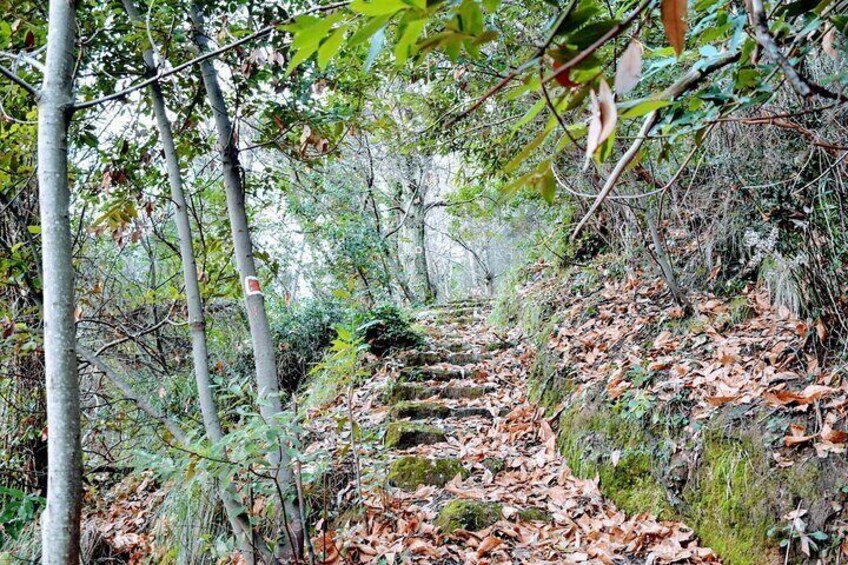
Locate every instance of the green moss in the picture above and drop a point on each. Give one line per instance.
(411, 471)
(471, 515)
(494, 464)
(587, 440)
(403, 435)
(418, 410)
(729, 501)
(534, 515)
(399, 392)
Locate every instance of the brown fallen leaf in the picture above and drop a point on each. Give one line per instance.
(673, 14)
(810, 394)
(796, 436)
(487, 545)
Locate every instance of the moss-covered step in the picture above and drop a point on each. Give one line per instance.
(419, 358)
(439, 374)
(419, 410)
(403, 435)
(476, 411)
(399, 392)
(411, 471)
(471, 515)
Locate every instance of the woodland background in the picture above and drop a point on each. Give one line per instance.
(386, 155)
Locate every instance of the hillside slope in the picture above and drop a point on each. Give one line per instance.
(731, 418)
(454, 465)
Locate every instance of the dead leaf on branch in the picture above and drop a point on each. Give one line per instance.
(604, 118)
(629, 68)
(674, 23)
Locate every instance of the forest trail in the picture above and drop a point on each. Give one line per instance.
(456, 466)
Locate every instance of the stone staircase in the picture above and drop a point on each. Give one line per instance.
(439, 396)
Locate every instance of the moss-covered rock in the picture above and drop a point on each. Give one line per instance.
(400, 392)
(590, 433)
(439, 374)
(469, 515)
(403, 435)
(731, 510)
(534, 515)
(418, 410)
(411, 471)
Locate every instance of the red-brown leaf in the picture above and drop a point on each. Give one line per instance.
(674, 23)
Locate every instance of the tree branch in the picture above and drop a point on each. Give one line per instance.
(8, 73)
(765, 39)
(683, 84)
(202, 57)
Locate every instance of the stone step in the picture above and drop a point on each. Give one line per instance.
(413, 391)
(411, 471)
(439, 374)
(422, 410)
(419, 358)
(403, 435)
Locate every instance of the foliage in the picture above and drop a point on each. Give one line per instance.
(387, 328)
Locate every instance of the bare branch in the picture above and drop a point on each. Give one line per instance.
(8, 73)
(683, 84)
(202, 57)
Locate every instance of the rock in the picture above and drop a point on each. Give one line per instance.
(472, 412)
(471, 515)
(419, 410)
(442, 374)
(403, 435)
(414, 391)
(412, 470)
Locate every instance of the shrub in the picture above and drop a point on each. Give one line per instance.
(302, 334)
(386, 328)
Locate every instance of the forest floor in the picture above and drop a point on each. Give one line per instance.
(454, 465)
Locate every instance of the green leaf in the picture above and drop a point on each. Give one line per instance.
(546, 185)
(640, 108)
(331, 47)
(527, 179)
(407, 40)
(377, 41)
(527, 150)
(576, 130)
(300, 56)
(378, 8)
(531, 113)
(366, 31)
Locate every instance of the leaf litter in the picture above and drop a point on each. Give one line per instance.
(397, 526)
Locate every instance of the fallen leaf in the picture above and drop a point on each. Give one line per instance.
(487, 545)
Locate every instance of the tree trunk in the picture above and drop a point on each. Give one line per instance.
(233, 505)
(270, 404)
(60, 527)
(423, 285)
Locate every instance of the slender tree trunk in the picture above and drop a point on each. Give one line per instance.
(423, 284)
(233, 505)
(60, 522)
(270, 404)
(231, 500)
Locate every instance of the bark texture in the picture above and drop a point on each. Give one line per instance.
(61, 518)
(270, 404)
(233, 505)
